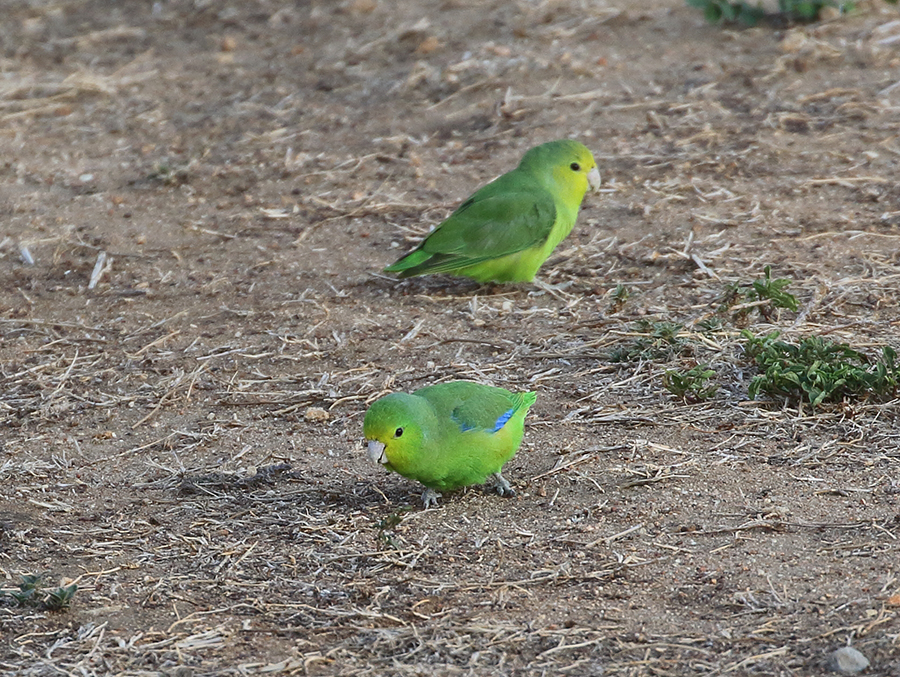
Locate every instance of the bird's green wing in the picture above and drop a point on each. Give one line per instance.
(509, 215)
(472, 406)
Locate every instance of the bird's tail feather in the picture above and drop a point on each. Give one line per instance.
(411, 260)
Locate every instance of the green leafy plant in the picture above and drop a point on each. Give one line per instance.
(789, 11)
(773, 290)
(729, 12)
(806, 10)
(60, 598)
(170, 174)
(31, 593)
(658, 340)
(27, 594)
(386, 528)
(692, 385)
(765, 295)
(618, 298)
(819, 370)
(710, 325)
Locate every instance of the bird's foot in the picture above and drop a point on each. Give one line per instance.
(501, 486)
(430, 498)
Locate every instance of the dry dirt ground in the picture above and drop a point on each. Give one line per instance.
(196, 201)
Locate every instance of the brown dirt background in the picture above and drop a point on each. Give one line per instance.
(184, 438)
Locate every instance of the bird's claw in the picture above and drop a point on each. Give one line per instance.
(430, 498)
(501, 486)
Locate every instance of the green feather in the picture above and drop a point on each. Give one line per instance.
(508, 228)
(448, 435)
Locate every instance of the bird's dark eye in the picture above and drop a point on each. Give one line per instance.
(575, 166)
(398, 432)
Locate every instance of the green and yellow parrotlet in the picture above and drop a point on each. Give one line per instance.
(448, 435)
(508, 228)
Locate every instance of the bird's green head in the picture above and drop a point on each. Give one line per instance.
(394, 429)
(565, 166)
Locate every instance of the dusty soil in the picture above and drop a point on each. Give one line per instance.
(197, 199)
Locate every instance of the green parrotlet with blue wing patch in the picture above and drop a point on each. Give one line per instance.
(508, 228)
(448, 435)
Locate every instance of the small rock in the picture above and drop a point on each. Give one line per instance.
(847, 661)
(829, 13)
(316, 414)
(793, 42)
(363, 6)
(428, 45)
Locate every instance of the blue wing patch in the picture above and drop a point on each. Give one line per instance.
(504, 417)
(463, 426)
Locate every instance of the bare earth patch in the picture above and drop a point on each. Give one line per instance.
(197, 199)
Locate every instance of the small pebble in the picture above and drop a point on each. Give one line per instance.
(316, 414)
(847, 661)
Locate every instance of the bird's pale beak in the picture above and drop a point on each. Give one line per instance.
(594, 178)
(376, 452)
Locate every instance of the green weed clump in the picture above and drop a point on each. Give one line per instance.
(766, 289)
(387, 528)
(789, 11)
(819, 370)
(32, 593)
(692, 385)
(618, 298)
(729, 12)
(772, 290)
(658, 341)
